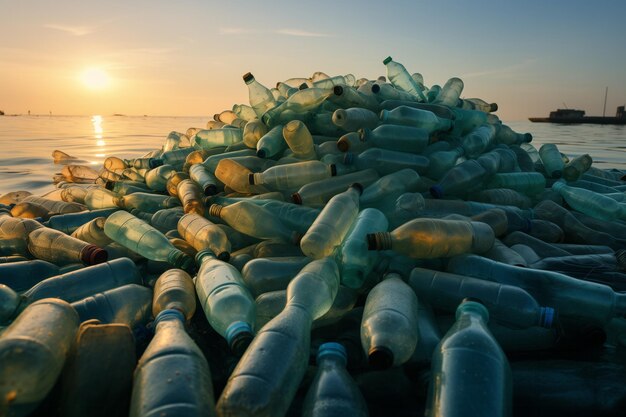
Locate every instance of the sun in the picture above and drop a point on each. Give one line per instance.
(95, 78)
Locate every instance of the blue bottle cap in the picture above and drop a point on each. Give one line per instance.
(239, 335)
(547, 317)
(332, 349)
(436, 191)
(169, 314)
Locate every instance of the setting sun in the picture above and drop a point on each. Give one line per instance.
(95, 78)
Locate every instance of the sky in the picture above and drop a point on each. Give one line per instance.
(187, 57)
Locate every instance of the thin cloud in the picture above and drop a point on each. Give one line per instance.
(236, 31)
(301, 33)
(72, 30)
(507, 71)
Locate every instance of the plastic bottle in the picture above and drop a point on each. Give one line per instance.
(529, 183)
(68, 223)
(14, 233)
(226, 301)
(409, 116)
(331, 225)
(502, 196)
(207, 139)
(290, 176)
(389, 325)
(387, 162)
(460, 180)
(32, 356)
(477, 104)
(333, 392)
(434, 238)
(172, 375)
(20, 276)
(129, 304)
(478, 140)
(507, 304)
(140, 237)
(383, 193)
(157, 178)
(317, 193)
(57, 207)
(190, 195)
(175, 158)
(385, 92)
(272, 143)
(57, 247)
(395, 137)
(93, 232)
(299, 140)
(203, 234)
(575, 299)
(297, 105)
(355, 118)
(261, 98)
(267, 377)
(450, 92)
(356, 262)
(442, 161)
(470, 373)
(401, 79)
(174, 289)
(592, 204)
(205, 179)
(552, 160)
(264, 274)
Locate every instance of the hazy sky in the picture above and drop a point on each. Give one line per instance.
(187, 57)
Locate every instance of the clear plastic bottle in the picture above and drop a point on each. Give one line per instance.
(409, 116)
(478, 140)
(552, 160)
(100, 198)
(299, 140)
(204, 178)
(93, 232)
(207, 139)
(332, 224)
(129, 304)
(32, 356)
(235, 176)
(395, 138)
(592, 204)
(298, 104)
(469, 369)
(272, 143)
(140, 237)
(226, 301)
(402, 80)
(165, 220)
(175, 158)
(346, 97)
(254, 220)
(573, 298)
(386, 91)
(156, 179)
(383, 193)
(263, 275)
(333, 392)
(261, 98)
(191, 196)
(203, 234)
(389, 325)
(387, 162)
(58, 207)
(506, 135)
(355, 118)
(290, 176)
(172, 374)
(57, 247)
(267, 377)
(529, 183)
(317, 193)
(434, 238)
(450, 92)
(508, 304)
(356, 262)
(174, 289)
(463, 178)
(14, 234)
(443, 161)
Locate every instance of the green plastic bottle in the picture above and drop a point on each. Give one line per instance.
(140, 237)
(470, 373)
(529, 183)
(592, 204)
(292, 176)
(389, 324)
(577, 167)
(450, 92)
(552, 160)
(383, 193)
(272, 143)
(506, 135)
(172, 374)
(434, 238)
(207, 139)
(225, 300)
(32, 356)
(463, 178)
(402, 80)
(385, 91)
(203, 234)
(386, 162)
(409, 116)
(396, 138)
(297, 105)
(332, 224)
(478, 140)
(443, 161)
(268, 375)
(346, 97)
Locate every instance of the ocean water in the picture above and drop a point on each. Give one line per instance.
(27, 143)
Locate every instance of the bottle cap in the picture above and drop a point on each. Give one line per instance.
(93, 255)
(261, 153)
(251, 178)
(239, 335)
(375, 88)
(337, 90)
(201, 254)
(343, 145)
(380, 357)
(109, 185)
(248, 77)
(387, 60)
(332, 349)
(333, 170)
(155, 162)
(493, 107)
(224, 256)
(296, 198)
(436, 191)
(546, 318)
(169, 314)
(303, 86)
(210, 189)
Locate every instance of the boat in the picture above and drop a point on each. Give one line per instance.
(564, 116)
(1, 113)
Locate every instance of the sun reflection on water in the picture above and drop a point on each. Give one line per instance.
(98, 131)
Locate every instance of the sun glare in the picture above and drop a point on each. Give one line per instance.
(95, 78)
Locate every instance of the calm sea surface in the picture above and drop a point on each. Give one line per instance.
(27, 143)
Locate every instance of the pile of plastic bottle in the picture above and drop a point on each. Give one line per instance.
(338, 247)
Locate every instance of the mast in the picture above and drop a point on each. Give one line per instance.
(606, 92)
